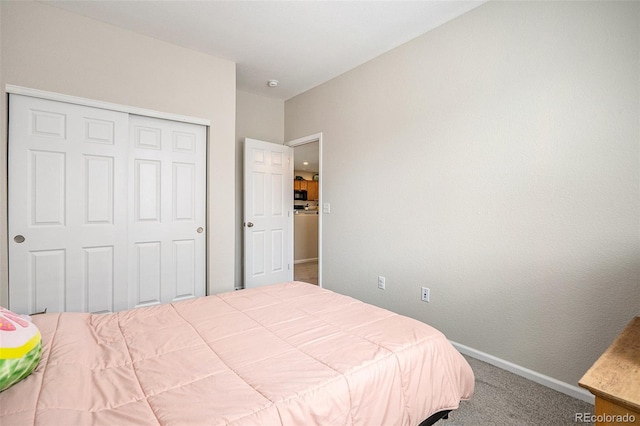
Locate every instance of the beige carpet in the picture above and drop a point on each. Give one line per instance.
(307, 272)
(504, 399)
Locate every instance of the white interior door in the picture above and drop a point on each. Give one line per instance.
(106, 209)
(67, 174)
(268, 219)
(166, 210)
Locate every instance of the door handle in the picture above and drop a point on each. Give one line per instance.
(19, 239)
(249, 224)
(199, 230)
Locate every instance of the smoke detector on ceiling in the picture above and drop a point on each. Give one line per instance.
(272, 83)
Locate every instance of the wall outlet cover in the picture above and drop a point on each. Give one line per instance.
(425, 295)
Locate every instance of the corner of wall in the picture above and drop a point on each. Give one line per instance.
(4, 269)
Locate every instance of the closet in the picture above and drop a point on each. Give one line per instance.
(106, 208)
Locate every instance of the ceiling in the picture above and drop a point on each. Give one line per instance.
(299, 43)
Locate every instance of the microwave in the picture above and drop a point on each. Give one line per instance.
(300, 194)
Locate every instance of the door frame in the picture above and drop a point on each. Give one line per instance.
(316, 137)
(60, 97)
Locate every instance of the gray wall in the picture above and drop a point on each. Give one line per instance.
(49, 49)
(496, 161)
(257, 117)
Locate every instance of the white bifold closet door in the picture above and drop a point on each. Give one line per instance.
(104, 208)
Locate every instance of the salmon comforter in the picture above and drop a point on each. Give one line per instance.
(290, 353)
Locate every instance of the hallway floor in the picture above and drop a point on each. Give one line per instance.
(307, 272)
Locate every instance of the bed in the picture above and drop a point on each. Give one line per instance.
(290, 353)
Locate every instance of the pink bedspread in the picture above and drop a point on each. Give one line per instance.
(290, 353)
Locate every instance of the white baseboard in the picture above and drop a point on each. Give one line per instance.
(550, 382)
(313, 259)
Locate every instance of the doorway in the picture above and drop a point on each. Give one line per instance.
(307, 172)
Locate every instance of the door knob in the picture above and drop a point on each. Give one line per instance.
(200, 229)
(19, 239)
(250, 224)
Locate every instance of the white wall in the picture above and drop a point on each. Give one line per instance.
(257, 117)
(499, 156)
(49, 49)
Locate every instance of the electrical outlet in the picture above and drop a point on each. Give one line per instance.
(381, 283)
(426, 294)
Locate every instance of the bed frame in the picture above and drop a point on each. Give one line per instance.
(432, 419)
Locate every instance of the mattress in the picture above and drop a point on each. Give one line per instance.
(290, 353)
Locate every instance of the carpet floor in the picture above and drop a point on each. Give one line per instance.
(307, 272)
(503, 398)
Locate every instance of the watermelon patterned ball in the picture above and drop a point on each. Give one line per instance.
(20, 348)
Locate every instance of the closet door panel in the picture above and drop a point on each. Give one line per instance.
(67, 175)
(167, 202)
